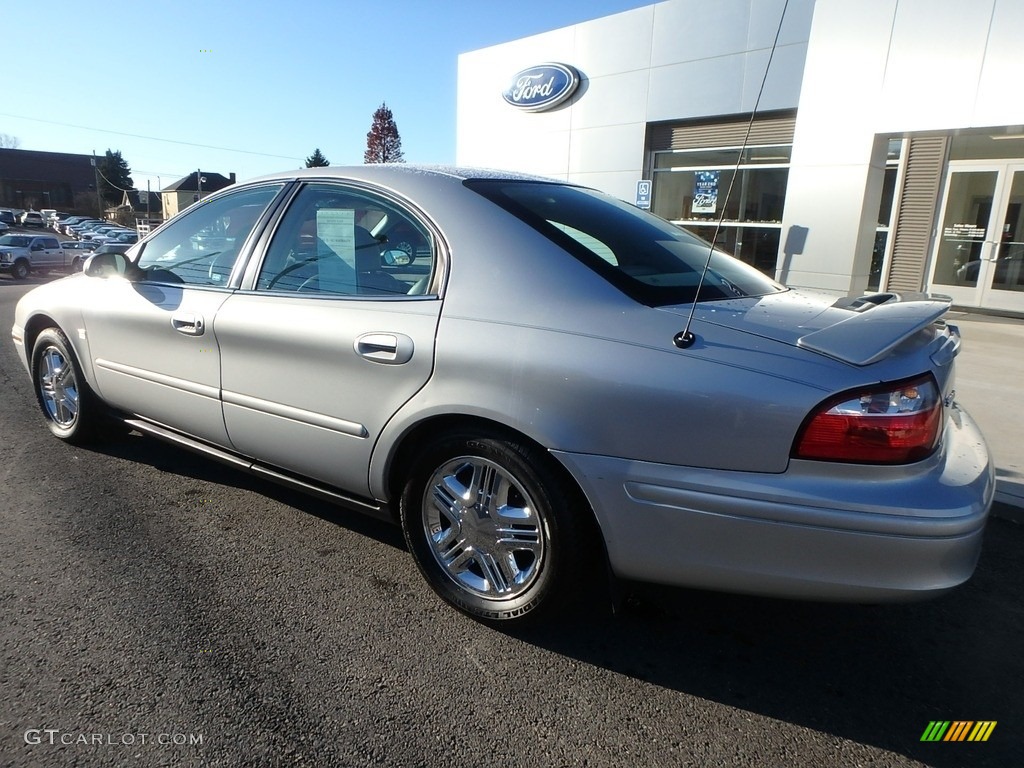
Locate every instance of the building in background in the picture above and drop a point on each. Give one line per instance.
(35, 180)
(181, 194)
(886, 151)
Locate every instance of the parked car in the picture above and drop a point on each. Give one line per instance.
(57, 218)
(7, 217)
(32, 219)
(558, 387)
(79, 251)
(3, 228)
(21, 255)
(110, 234)
(62, 224)
(112, 248)
(127, 237)
(72, 229)
(77, 230)
(90, 234)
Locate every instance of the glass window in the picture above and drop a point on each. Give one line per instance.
(338, 241)
(201, 247)
(697, 189)
(647, 258)
(882, 231)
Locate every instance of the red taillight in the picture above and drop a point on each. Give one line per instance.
(890, 424)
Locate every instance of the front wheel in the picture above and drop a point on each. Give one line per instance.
(72, 412)
(20, 270)
(495, 529)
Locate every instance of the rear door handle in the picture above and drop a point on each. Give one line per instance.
(386, 348)
(188, 323)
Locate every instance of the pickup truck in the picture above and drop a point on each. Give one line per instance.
(23, 254)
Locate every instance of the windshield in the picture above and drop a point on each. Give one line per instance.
(649, 259)
(17, 241)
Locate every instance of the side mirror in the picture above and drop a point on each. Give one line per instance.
(107, 265)
(395, 257)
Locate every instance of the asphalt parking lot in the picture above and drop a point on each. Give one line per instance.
(148, 593)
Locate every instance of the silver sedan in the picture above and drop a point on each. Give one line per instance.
(545, 387)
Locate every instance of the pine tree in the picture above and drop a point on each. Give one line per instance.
(383, 144)
(317, 160)
(115, 176)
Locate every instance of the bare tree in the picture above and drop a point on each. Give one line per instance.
(9, 142)
(383, 144)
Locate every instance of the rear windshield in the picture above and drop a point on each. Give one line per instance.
(649, 259)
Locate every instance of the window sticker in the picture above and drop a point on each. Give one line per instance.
(336, 231)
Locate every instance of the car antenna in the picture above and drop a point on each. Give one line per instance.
(685, 338)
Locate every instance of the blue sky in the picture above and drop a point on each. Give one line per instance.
(250, 86)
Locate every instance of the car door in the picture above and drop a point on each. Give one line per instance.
(151, 333)
(325, 342)
(44, 253)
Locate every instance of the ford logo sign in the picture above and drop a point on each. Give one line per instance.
(541, 87)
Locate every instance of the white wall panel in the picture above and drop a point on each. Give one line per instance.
(612, 148)
(696, 89)
(782, 87)
(935, 61)
(999, 99)
(690, 30)
(764, 23)
(612, 100)
(613, 44)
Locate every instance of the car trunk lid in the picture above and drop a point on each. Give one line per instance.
(858, 331)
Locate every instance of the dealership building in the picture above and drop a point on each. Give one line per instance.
(875, 145)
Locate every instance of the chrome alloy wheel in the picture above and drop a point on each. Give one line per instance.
(483, 528)
(58, 387)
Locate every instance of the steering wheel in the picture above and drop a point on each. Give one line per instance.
(216, 276)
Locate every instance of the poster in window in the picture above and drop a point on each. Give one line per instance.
(335, 232)
(705, 191)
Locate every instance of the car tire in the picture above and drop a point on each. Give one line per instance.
(76, 264)
(496, 530)
(72, 411)
(20, 270)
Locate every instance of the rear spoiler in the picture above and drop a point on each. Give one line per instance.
(880, 323)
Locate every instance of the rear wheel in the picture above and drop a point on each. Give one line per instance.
(72, 412)
(495, 529)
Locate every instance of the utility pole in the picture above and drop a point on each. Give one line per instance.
(96, 175)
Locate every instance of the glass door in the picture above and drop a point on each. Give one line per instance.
(1003, 286)
(980, 244)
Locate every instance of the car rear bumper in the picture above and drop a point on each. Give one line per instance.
(817, 531)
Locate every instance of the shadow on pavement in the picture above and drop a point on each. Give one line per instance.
(876, 675)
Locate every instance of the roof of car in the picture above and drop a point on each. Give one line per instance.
(395, 171)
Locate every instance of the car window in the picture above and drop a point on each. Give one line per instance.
(341, 242)
(647, 258)
(200, 247)
(338, 241)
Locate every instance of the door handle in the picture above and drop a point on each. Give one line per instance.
(188, 323)
(386, 348)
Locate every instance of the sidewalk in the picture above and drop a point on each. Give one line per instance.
(989, 379)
